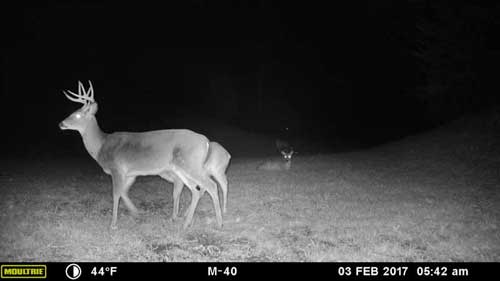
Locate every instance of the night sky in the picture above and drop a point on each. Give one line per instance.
(364, 72)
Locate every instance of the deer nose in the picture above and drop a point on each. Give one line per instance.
(61, 125)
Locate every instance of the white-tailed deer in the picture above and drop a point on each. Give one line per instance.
(278, 165)
(177, 155)
(216, 165)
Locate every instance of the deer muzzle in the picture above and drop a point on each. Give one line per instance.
(62, 126)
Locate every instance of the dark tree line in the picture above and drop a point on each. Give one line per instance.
(457, 48)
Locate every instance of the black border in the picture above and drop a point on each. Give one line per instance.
(276, 271)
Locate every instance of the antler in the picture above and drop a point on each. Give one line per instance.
(82, 96)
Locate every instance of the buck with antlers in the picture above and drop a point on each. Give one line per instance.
(180, 156)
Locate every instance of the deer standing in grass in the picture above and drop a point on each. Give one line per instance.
(177, 155)
(278, 165)
(282, 164)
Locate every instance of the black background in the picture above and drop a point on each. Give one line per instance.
(366, 72)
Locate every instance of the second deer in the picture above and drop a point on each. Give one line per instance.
(216, 165)
(283, 164)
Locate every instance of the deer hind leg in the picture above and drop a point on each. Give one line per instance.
(178, 185)
(221, 178)
(195, 197)
(121, 184)
(184, 178)
(211, 187)
(206, 184)
(188, 165)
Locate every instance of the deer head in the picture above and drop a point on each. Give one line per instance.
(80, 119)
(287, 155)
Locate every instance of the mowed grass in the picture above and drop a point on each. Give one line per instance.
(416, 200)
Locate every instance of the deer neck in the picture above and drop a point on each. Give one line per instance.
(93, 138)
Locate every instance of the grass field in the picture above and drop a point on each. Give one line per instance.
(433, 197)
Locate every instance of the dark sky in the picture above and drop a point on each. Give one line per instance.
(258, 66)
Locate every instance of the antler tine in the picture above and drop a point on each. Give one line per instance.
(73, 94)
(82, 93)
(81, 89)
(82, 96)
(75, 99)
(90, 92)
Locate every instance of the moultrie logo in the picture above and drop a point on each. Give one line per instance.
(23, 271)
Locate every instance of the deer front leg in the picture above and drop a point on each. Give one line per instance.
(121, 184)
(124, 195)
(117, 186)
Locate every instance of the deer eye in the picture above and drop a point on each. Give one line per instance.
(78, 116)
